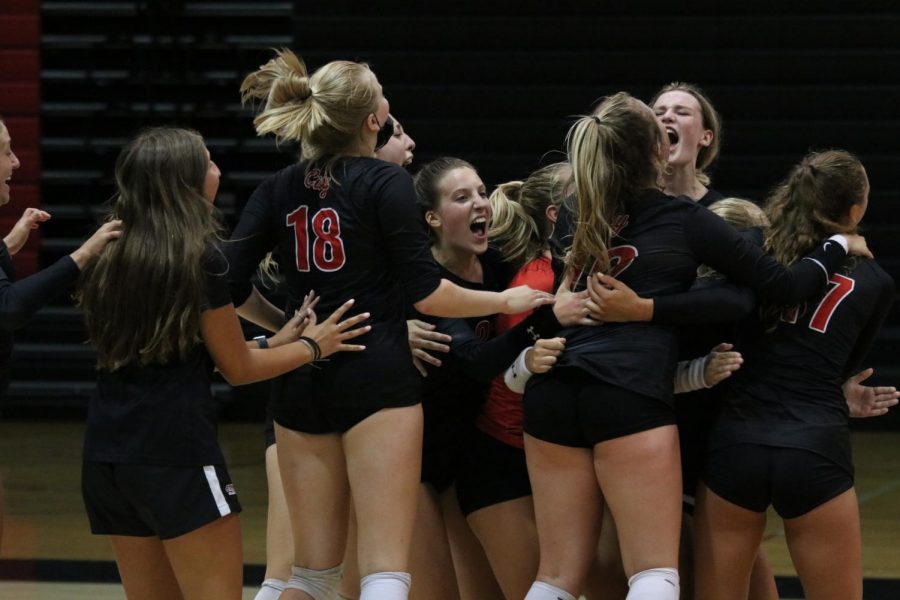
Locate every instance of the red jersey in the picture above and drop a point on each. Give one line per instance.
(501, 414)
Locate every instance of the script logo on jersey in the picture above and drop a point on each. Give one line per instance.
(483, 330)
(327, 246)
(620, 258)
(315, 180)
(840, 288)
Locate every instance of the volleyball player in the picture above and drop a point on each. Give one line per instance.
(154, 479)
(782, 438)
(602, 417)
(346, 224)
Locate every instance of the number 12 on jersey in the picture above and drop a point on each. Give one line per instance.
(327, 245)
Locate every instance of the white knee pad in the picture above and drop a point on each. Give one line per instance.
(321, 585)
(654, 584)
(270, 590)
(544, 591)
(387, 585)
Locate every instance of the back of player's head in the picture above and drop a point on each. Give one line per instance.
(813, 202)
(520, 226)
(712, 120)
(159, 171)
(143, 297)
(740, 213)
(614, 153)
(324, 111)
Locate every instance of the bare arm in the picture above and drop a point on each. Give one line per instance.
(452, 301)
(221, 332)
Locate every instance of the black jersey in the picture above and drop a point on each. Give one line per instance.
(19, 300)
(788, 391)
(709, 197)
(160, 414)
(660, 243)
(358, 236)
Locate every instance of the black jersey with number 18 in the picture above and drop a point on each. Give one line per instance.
(358, 235)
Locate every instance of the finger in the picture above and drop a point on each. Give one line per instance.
(339, 311)
(352, 333)
(351, 348)
(351, 321)
(422, 324)
(424, 356)
(862, 375)
(609, 281)
(420, 367)
(589, 322)
(435, 336)
(723, 347)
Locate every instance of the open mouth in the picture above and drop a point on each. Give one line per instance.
(479, 226)
(673, 136)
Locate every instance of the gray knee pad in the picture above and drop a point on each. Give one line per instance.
(321, 585)
(654, 584)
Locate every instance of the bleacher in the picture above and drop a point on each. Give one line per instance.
(493, 82)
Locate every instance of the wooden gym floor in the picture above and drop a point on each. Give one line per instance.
(40, 467)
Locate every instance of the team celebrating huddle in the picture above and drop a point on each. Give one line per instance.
(514, 395)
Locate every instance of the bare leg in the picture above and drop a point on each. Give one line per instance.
(314, 476)
(825, 546)
(640, 475)
(279, 543)
(762, 579)
(144, 568)
(431, 561)
(606, 580)
(567, 507)
(508, 534)
(349, 587)
(473, 572)
(199, 576)
(726, 542)
(384, 462)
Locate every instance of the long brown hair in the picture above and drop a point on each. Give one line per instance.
(810, 205)
(142, 299)
(519, 225)
(614, 155)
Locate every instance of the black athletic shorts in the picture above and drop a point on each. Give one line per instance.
(569, 407)
(153, 500)
(491, 472)
(310, 400)
(794, 481)
(694, 414)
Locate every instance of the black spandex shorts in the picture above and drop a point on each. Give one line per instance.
(571, 408)
(317, 400)
(491, 472)
(151, 500)
(794, 481)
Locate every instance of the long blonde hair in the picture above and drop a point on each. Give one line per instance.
(519, 225)
(740, 214)
(143, 297)
(324, 112)
(614, 155)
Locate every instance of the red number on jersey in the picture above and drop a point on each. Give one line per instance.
(620, 258)
(842, 286)
(328, 247)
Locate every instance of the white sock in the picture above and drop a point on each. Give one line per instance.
(388, 585)
(270, 590)
(321, 585)
(654, 584)
(544, 591)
